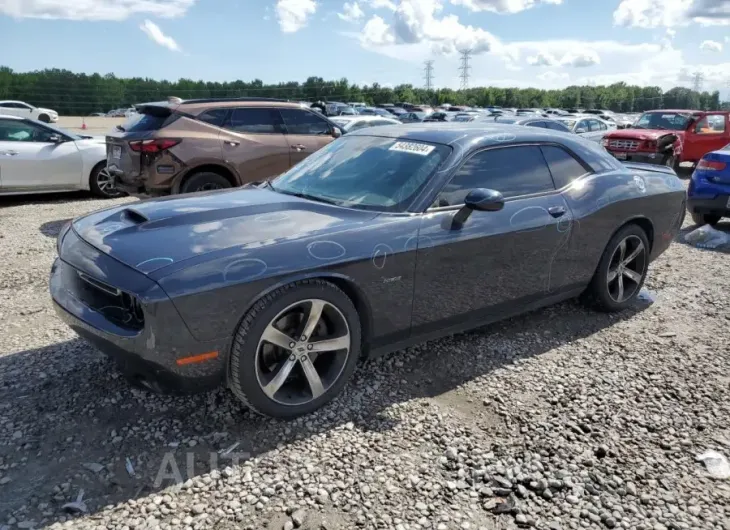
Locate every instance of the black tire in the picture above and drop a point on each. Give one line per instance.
(705, 219)
(101, 184)
(600, 292)
(243, 368)
(671, 161)
(45, 118)
(204, 181)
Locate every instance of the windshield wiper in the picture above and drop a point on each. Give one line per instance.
(307, 196)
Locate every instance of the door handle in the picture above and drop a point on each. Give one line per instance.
(557, 211)
(232, 143)
(299, 147)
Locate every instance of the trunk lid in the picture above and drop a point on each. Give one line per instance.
(121, 159)
(152, 234)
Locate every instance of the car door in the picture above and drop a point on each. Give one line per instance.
(252, 140)
(305, 132)
(30, 158)
(497, 262)
(10, 108)
(710, 133)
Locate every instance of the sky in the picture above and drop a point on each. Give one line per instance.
(520, 43)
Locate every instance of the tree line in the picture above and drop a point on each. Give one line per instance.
(82, 94)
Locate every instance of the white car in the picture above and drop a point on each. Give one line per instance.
(587, 125)
(36, 157)
(24, 110)
(361, 121)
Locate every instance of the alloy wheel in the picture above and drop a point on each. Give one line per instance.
(302, 352)
(105, 182)
(626, 269)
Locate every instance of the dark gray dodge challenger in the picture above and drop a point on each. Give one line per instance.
(384, 238)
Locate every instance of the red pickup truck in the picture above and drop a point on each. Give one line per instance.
(670, 137)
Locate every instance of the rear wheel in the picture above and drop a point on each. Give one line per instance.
(671, 161)
(295, 349)
(102, 184)
(205, 181)
(705, 219)
(621, 271)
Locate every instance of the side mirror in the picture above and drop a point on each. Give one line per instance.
(55, 138)
(336, 132)
(481, 200)
(580, 130)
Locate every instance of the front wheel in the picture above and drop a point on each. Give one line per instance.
(45, 118)
(621, 271)
(102, 184)
(705, 219)
(295, 349)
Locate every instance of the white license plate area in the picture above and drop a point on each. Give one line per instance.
(116, 152)
(621, 156)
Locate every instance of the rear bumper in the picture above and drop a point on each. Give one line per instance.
(706, 206)
(149, 354)
(136, 187)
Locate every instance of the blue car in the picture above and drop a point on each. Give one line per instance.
(708, 195)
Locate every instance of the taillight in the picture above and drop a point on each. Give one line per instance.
(711, 165)
(153, 146)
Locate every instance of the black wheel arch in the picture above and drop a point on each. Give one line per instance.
(94, 168)
(220, 169)
(642, 222)
(344, 283)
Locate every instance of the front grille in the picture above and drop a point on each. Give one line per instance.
(623, 145)
(120, 308)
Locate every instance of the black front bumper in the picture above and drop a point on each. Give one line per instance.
(148, 354)
(715, 206)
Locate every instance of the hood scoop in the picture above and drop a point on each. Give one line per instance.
(134, 216)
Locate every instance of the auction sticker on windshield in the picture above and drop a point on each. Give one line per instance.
(412, 147)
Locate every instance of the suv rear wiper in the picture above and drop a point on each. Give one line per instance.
(307, 196)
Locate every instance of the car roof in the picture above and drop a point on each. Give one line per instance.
(467, 134)
(193, 105)
(685, 111)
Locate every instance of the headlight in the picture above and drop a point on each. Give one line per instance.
(61, 234)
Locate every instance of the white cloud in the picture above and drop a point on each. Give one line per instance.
(503, 6)
(351, 12)
(416, 22)
(293, 14)
(154, 32)
(543, 59)
(581, 59)
(93, 9)
(383, 4)
(671, 13)
(551, 76)
(376, 33)
(711, 46)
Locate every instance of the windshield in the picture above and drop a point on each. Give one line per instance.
(663, 120)
(365, 172)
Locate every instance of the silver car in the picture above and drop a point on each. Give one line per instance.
(587, 126)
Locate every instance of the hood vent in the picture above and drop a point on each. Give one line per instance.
(134, 216)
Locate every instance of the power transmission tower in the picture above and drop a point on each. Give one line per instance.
(464, 68)
(429, 75)
(698, 80)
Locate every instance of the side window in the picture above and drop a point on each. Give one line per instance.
(594, 125)
(253, 120)
(711, 124)
(214, 116)
(512, 171)
(582, 124)
(540, 124)
(303, 122)
(554, 126)
(602, 126)
(21, 131)
(563, 166)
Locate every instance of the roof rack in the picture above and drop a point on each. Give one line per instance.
(224, 100)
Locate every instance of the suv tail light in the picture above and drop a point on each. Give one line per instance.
(711, 165)
(153, 146)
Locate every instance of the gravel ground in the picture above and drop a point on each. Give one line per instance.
(560, 419)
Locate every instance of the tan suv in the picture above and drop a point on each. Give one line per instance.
(204, 144)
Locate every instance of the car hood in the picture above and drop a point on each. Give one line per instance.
(153, 234)
(642, 134)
